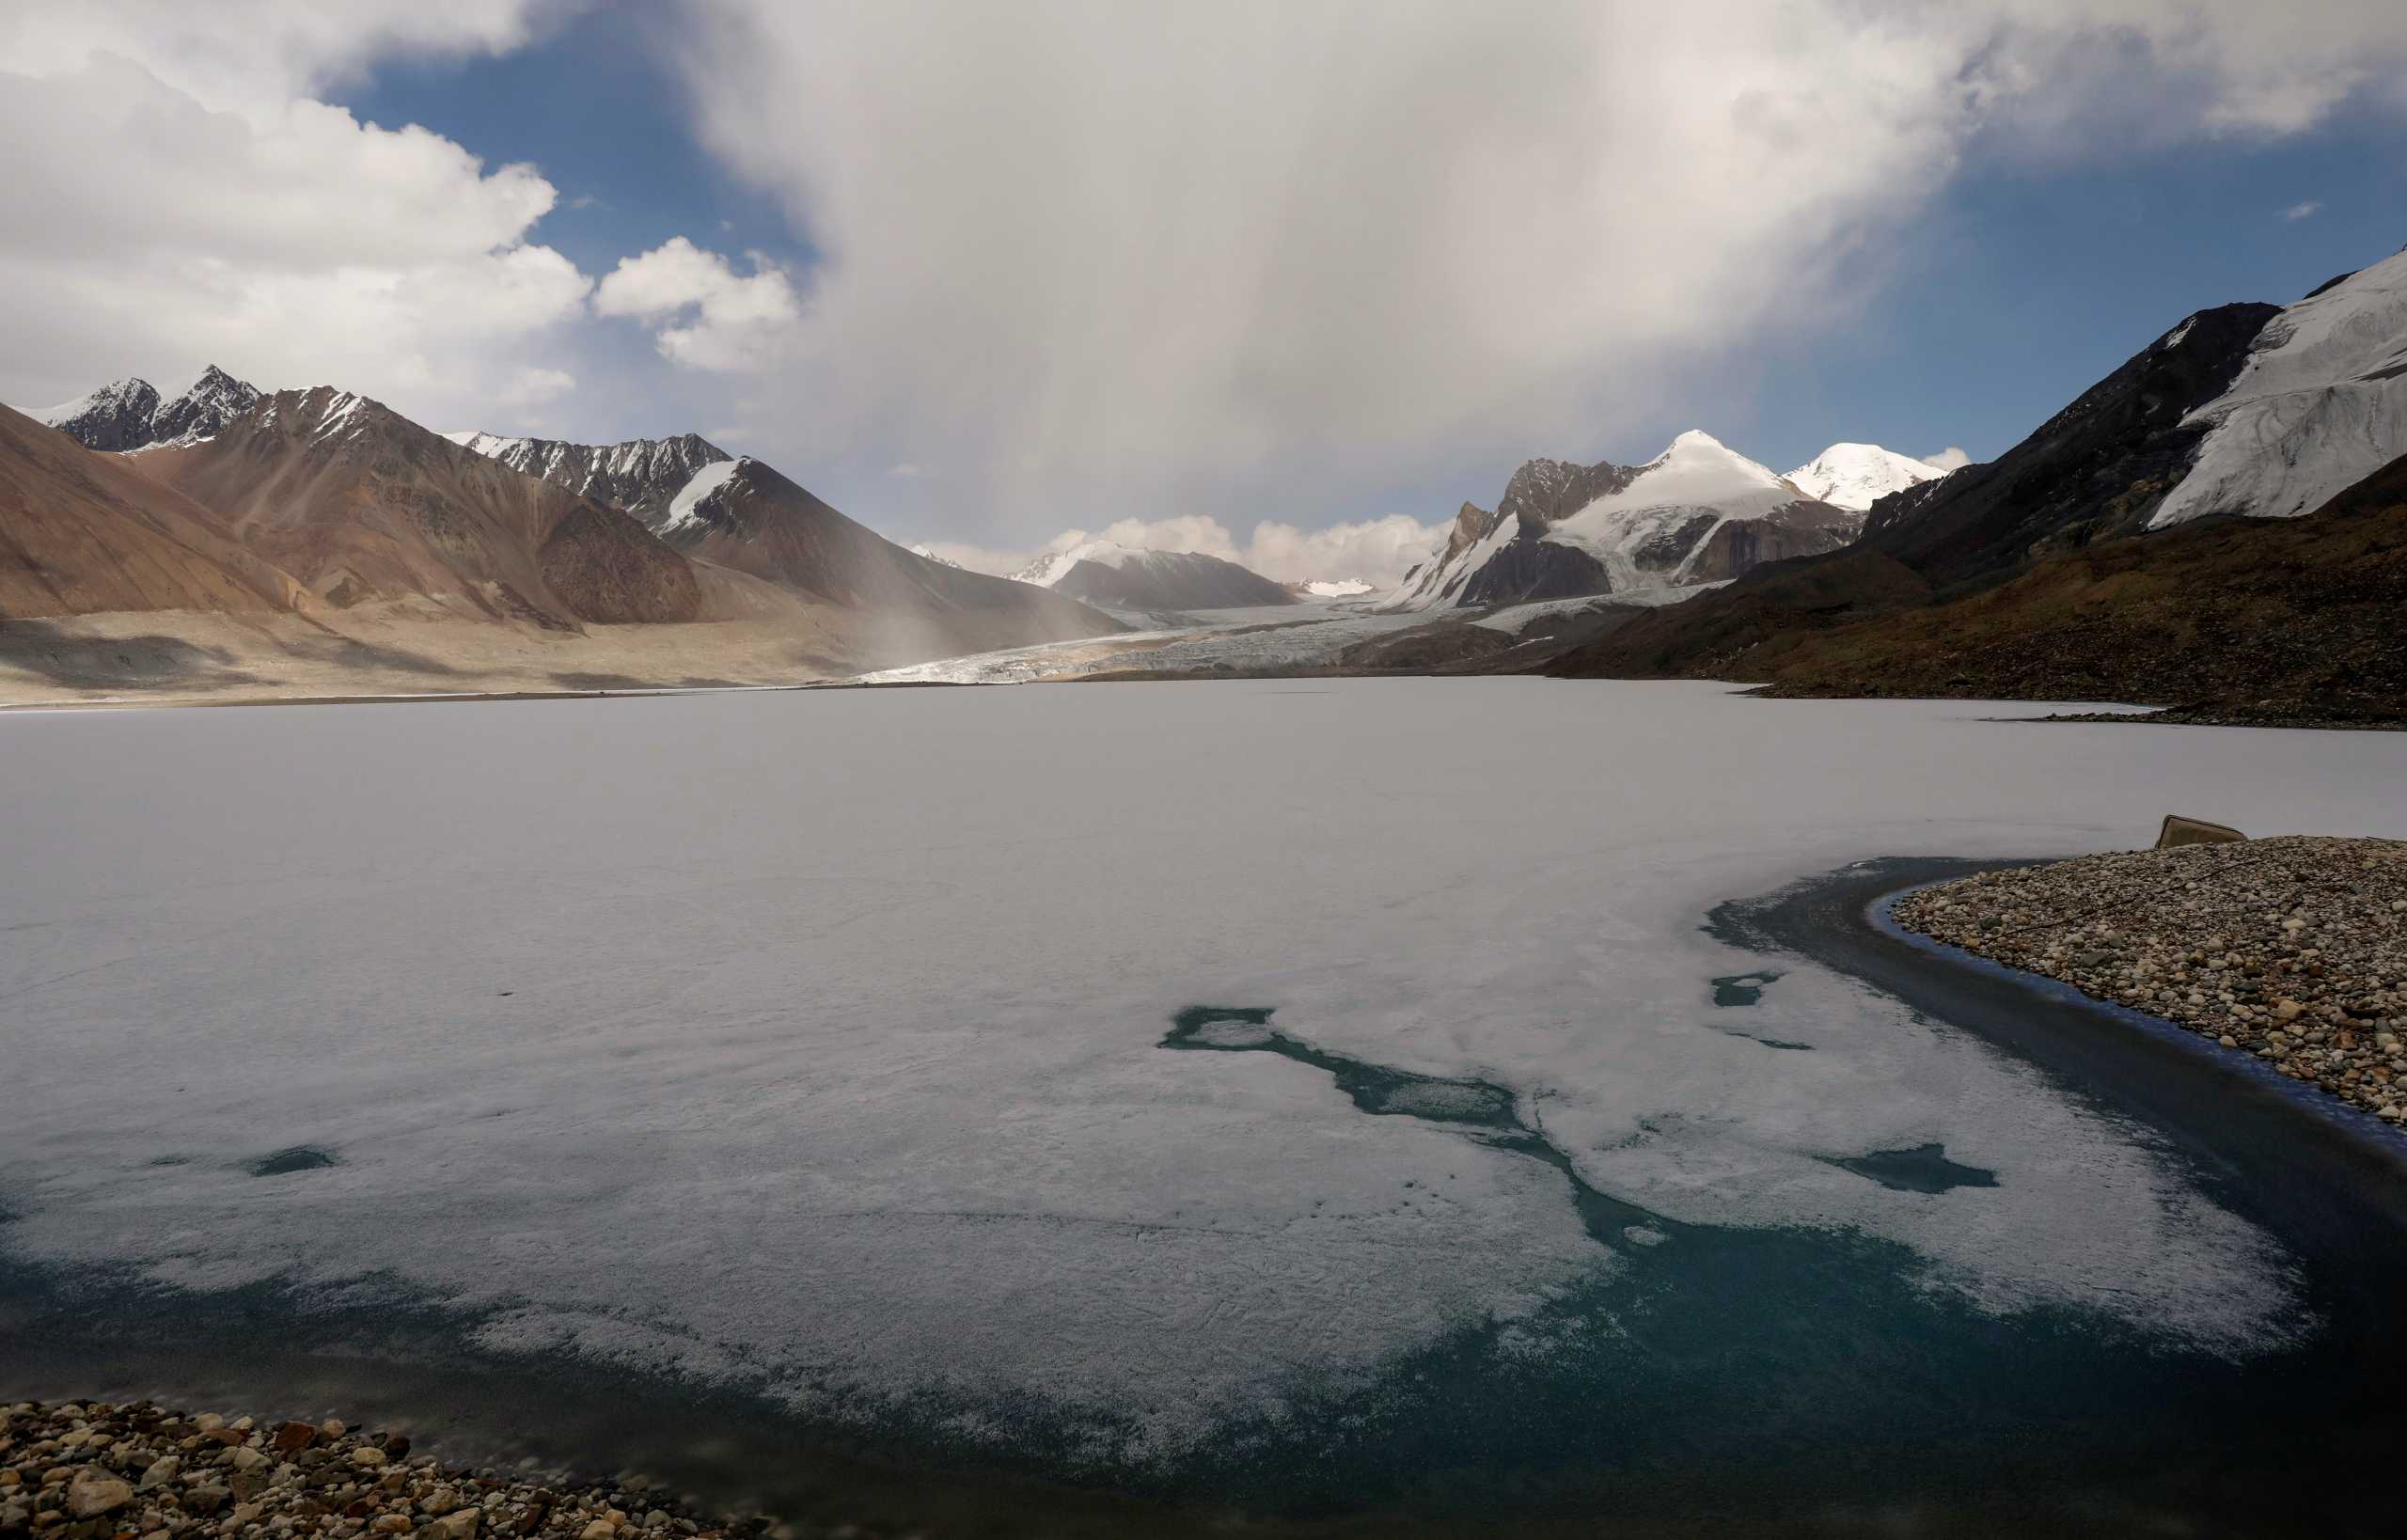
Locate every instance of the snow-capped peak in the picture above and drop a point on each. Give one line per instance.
(132, 394)
(928, 553)
(1053, 566)
(1855, 476)
(131, 413)
(1658, 528)
(1697, 468)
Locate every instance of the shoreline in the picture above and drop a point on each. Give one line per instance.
(2142, 716)
(2290, 950)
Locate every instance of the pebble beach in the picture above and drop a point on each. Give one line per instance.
(2292, 948)
(77, 1471)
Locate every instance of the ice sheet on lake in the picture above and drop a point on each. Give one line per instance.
(810, 1038)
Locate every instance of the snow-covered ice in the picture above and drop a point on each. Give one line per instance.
(811, 1040)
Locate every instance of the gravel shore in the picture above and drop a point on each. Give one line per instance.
(2291, 948)
(76, 1470)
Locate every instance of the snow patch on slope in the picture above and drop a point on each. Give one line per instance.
(2320, 405)
(699, 486)
(1050, 568)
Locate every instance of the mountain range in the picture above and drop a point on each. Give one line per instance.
(341, 528)
(1698, 513)
(2216, 525)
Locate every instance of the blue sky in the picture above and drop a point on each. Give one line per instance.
(2021, 287)
(990, 274)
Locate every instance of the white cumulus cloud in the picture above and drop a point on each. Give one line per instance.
(1948, 459)
(709, 315)
(181, 197)
(1084, 258)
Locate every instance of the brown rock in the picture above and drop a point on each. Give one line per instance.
(94, 1492)
(293, 1438)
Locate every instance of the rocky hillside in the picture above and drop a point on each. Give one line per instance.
(362, 505)
(82, 534)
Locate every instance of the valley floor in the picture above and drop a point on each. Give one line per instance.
(175, 657)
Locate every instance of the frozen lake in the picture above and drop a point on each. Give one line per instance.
(839, 1051)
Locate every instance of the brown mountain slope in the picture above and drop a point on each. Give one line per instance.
(81, 533)
(901, 607)
(363, 505)
(2238, 619)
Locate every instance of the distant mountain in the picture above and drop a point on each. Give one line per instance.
(1123, 578)
(332, 504)
(2037, 573)
(365, 506)
(2320, 404)
(928, 553)
(132, 415)
(742, 515)
(2228, 619)
(642, 475)
(1697, 514)
(1856, 476)
(83, 533)
(1322, 588)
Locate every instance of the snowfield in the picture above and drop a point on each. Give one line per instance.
(812, 1041)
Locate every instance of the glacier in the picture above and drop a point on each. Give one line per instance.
(2321, 405)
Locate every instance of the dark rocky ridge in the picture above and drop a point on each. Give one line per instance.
(639, 477)
(131, 415)
(2094, 471)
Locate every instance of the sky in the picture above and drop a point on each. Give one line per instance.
(1283, 282)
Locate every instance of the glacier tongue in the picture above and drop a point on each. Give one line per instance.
(2320, 405)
